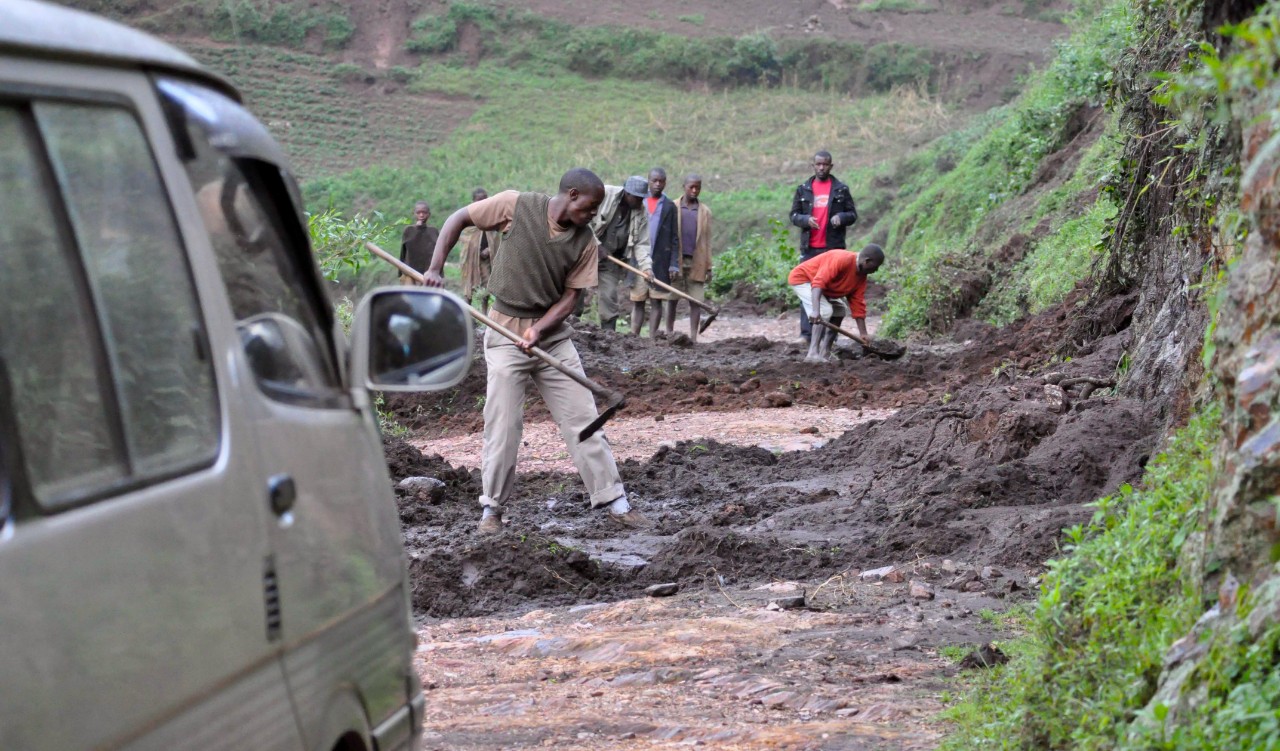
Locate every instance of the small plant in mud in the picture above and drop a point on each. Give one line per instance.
(387, 422)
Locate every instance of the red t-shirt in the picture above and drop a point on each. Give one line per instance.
(821, 212)
(652, 202)
(836, 274)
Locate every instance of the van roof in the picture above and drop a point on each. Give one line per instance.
(47, 30)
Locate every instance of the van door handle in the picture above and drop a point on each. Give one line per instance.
(282, 492)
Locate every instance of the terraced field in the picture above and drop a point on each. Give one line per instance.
(333, 118)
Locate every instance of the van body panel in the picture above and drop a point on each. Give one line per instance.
(187, 612)
(340, 552)
(138, 620)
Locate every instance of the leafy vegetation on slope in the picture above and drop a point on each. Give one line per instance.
(957, 185)
(1108, 610)
(1125, 652)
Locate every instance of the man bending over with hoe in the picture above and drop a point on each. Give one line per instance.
(548, 258)
(831, 286)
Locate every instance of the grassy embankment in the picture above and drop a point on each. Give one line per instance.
(968, 193)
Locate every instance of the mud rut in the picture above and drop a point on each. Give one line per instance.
(959, 473)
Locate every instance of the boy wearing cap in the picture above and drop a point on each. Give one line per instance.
(831, 286)
(622, 230)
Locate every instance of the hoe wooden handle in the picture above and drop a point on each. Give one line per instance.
(613, 399)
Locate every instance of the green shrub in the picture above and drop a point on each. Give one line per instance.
(761, 263)
(349, 72)
(895, 64)
(896, 6)
(431, 35)
(275, 23)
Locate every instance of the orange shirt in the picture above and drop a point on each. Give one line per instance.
(836, 274)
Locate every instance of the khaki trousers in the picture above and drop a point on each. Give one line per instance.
(572, 407)
(610, 278)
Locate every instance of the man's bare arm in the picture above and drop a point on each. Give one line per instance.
(449, 234)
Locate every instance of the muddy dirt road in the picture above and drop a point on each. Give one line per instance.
(781, 491)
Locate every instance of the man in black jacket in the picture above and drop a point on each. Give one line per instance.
(822, 209)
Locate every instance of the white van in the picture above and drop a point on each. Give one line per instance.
(200, 548)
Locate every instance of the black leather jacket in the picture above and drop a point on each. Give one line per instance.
(841, 205)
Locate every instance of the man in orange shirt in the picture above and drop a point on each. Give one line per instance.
(831, 286)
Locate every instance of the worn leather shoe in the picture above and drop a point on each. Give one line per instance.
(491, 525)
(633, 519)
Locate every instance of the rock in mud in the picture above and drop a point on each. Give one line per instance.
(787, 603)
(963, 579)
(777, 399)
(751, 384)
(662, 590)
(1057, 398)
(424, 487)
(985, 656)
(920, 591)
(810, 430)
(876, 574)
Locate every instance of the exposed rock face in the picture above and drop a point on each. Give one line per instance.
(1241, 528)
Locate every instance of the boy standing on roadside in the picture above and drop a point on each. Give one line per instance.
(823, 209)
(417, 241)
(692, 269)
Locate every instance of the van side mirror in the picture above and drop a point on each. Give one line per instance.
(410, 339)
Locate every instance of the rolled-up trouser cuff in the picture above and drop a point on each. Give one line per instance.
(488, 502)
(607, 495)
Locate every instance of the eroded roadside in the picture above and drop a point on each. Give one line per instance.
(972, 457)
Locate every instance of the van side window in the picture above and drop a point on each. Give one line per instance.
(100, 332)
(140, 279)
(262, 250)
